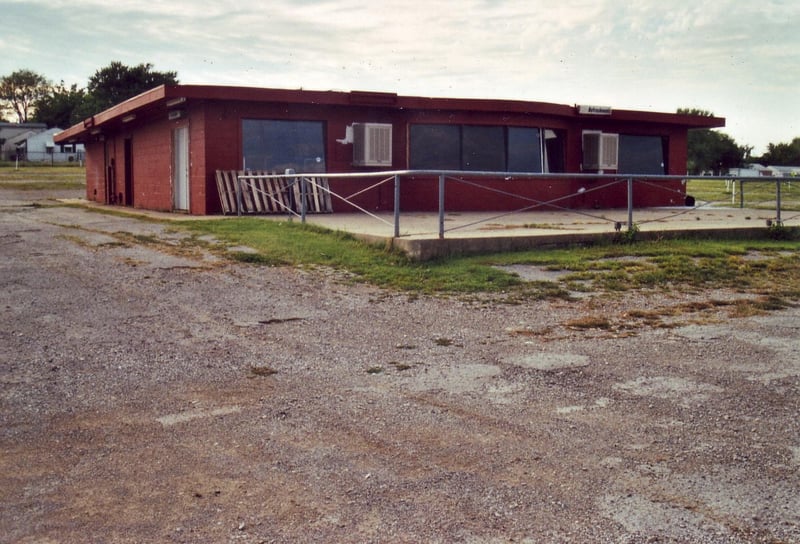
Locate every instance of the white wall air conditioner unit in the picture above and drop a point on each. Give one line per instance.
(600, 151)
(372, 144)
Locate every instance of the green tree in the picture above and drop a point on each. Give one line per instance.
(710, 150)
(782, 154)
(61, 106)
(21, 90)
(117, 82)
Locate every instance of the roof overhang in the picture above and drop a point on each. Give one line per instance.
(162, 99)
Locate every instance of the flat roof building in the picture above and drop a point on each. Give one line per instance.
(162, 149)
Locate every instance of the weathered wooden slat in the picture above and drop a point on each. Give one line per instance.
(258, 197)
(227, 190)
(278, 193)
(263, 195)
(315, 194)
(230, 184)
(247, 195)
(223, 193)
(297, 189)
(322, 195)
(267, 196)
(328, 199)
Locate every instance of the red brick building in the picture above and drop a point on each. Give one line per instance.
(160, 150)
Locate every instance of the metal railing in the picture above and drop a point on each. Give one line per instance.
(527, 203)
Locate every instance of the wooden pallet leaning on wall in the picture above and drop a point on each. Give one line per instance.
(226, 187)
(318, 195)
(259, 196)
(271, 195)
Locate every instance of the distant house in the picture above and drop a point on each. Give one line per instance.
(750, 170)
(755, 170)
(10, 134)
(40, 147)
(161, 150)
(785, 171)
(33, 142)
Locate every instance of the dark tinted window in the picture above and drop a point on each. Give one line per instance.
(277, 145)
(554, 150)
(641, 154)
(524, 150)
(435, 147)
(483, 148)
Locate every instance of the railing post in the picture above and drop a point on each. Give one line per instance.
(303, 199)
(238, 196)
(741, 193)
(397, 206)
(778, 200)
(441, 206)
(630, 203)
(288, 183)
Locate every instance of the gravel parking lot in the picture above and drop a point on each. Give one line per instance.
(149, 396)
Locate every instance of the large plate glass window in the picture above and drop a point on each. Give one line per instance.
(276, 145)
(641, 155)
(524, 149)
(435, 147)
(485, 148)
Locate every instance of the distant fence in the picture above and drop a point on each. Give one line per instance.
(297, 194)
(47, 157)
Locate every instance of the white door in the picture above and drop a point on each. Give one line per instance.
(180, 168)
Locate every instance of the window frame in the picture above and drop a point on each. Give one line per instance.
(659, 143)
(423, 147)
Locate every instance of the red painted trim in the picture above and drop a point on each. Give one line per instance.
(156, 99)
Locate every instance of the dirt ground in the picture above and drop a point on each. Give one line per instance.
(152, 397)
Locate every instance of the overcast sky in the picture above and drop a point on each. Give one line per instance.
(739, 59)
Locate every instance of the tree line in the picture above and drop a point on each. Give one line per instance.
(716, 152)
(32, 97)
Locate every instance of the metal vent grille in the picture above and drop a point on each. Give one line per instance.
(600, 151)
(372, 144)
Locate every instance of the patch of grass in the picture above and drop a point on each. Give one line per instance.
(39, 177)
(538, 226)
(146, 239)
(646, 315)
(778, 231)
(540, 290)
(41, 185)
(255, 258)
(757, 194)
(628, 236)
(294, 244)
(760, 306)
(607, 267)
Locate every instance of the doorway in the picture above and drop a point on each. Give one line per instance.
(110, 196)
(180, 169)
(127, 198)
